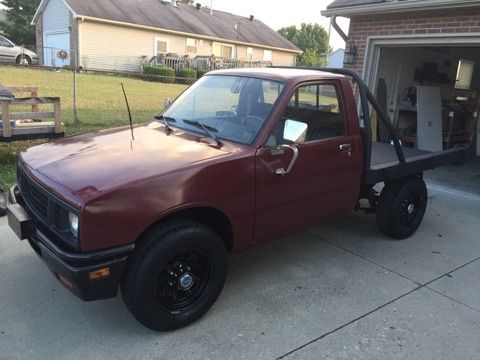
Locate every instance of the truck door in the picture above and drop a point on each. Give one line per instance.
(300, 184)
(7, 50)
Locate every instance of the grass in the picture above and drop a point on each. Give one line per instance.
(100, 104)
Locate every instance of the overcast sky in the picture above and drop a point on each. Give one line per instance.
(278, 14)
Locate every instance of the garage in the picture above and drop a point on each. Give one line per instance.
(431, 93)
(422, 60)
(56, 49)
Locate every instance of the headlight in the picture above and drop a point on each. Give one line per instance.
(73, 221)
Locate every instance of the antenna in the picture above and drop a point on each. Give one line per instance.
(128, 109)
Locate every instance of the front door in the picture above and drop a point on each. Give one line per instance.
(325, 178)
(8, 53)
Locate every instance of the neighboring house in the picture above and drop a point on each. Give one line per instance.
(3, 16)
(428, 49)
(335, 59)
(119, 34)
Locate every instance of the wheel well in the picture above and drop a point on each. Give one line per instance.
(20, 56)
(211, 217)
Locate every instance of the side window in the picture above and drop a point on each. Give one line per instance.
(4, 42)
(318, 106)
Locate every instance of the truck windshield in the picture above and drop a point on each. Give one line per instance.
(232, 107)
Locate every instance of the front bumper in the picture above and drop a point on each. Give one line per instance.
(90, 276)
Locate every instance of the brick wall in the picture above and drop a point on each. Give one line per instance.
(432, 22)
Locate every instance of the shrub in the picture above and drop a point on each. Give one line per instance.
(200, 73)
(163, 74)
(188, 76)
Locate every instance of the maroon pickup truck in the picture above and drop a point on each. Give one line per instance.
(240, 158)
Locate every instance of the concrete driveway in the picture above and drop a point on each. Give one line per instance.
(338, 291)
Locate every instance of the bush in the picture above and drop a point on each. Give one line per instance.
(188, 76)
(163, 74)
(200, 73)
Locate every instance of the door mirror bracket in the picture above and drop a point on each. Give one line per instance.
(282, 171)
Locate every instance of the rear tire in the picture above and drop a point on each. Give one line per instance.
(175, 275)
(401, 207)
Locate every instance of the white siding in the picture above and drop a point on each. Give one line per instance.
(56, 16)
(121, 48)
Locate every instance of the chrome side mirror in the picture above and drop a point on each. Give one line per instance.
(166, 103)
(295, 131)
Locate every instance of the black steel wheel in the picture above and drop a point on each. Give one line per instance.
(401, 207)
(183, 280)
(175, 275)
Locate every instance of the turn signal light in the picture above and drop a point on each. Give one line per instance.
(99, 274)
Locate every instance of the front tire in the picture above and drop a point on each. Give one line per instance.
(24, 60)
(401, 207)
(175, 275)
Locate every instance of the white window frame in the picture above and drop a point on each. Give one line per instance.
(225, 45)
(267, 55)
(249, 51)
(155, 45)
(195, 41)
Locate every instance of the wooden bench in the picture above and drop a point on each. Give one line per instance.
(29, 125)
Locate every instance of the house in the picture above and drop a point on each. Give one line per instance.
(425, 50)
(120, 34)
(335, 59)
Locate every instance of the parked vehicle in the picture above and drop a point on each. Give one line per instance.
(9, 52)
(242, 157)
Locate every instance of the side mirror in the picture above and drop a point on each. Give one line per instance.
(295, 131)
(166, 103)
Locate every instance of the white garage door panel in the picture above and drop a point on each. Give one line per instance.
(53, 44)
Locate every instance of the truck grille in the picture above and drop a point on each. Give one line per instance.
(36, 200)
(48, 211)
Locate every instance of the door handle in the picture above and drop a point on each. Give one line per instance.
(345, 147)
(282, 171)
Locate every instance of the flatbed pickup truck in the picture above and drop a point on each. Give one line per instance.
(240, 158)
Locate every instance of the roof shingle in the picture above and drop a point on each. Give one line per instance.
(183, 18)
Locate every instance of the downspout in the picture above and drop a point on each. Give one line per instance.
(79, 39)
(339, 30)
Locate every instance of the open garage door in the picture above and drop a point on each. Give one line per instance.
(432, 93)
(55, 44)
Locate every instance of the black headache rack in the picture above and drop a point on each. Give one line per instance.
(382, 161)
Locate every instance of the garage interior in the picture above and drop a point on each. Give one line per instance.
(432, 95)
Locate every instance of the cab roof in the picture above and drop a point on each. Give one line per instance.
(280, 74)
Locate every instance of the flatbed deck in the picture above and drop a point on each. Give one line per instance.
(385, 165)
(384, 155)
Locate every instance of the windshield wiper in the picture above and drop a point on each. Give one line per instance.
(207, 128)
(166, 121)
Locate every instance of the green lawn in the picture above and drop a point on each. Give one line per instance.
(100, 103)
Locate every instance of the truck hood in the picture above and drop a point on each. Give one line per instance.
(85, 166)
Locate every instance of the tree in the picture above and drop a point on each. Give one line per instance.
(312, 39)
(19, 14)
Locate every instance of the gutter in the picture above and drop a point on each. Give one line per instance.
(174, 32)
(399, 7)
